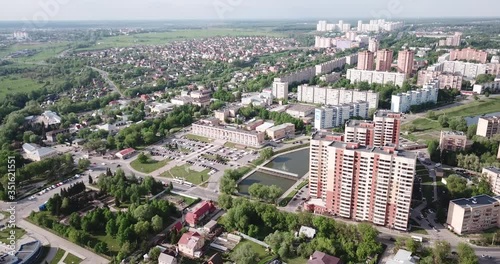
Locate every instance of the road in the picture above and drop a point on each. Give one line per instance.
(105, 76)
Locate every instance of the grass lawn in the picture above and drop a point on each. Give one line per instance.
(16, 83)
(72, 259)
(189, 175)
(199, 138)
(58, 256)
(418, 230)
(260, 250)
(150, 166)
(112, 243)
(4, 235)
(162, 38)
(297, 260)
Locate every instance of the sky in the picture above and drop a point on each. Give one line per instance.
(53, 10)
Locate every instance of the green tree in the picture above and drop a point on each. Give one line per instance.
(101, 247)
(456, 185)
(244, 254)
(154, 253)
(83, 164)
(466, 254)
(471, 131)
(441, 251)
(433, 149)
(142, 158)
(225, 201)
(443, 121)
(227, 185)
(157, 223)
(431, 115)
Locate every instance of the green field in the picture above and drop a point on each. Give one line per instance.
(44, 51)
(16, 83)
(72, 259)
(260, 250)
(4, 235)
(150, 166)
(162, 38)
(58, 256)
(189, 175)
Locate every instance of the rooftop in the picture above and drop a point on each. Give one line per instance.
(399, 153)
(282, 126)
(323, 258)
(452, 133)
(402, 257)
(491, 118)
(387, 113)
(476, 201)
(202, 123)
(301, 108)
(493, 169)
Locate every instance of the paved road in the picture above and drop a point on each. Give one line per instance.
(105, 76)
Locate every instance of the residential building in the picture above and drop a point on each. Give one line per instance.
(199, 212)
(302, 75)
(472, 215)
(363, 183)
(226, 113)
(469, 54)
(356, 76)
(160, 108)
(492, 87)
(453, 41)
(488, 126)
(211, 128)
(281, 131)
(383, 130)
(50, 118)
(331, 78)
(452, 141)
(336, 115)
(201, 98)
(330, 66)
(373, 45)
(126, 153)
(52, 135)
(107, 127)
(164, 258)
(493, 175)
(263, 99)
(191, 244)
(182, 100)
(498, 155)
(322, 258)
(306, 231)
(466, 69)
(280, 90)
(365, 60)
(36, 153)
(406, 59)
(300, 111)
(446, 80)
(384, 60)
(322, 42)
(403, 257)
(329, 96)
(402, 102)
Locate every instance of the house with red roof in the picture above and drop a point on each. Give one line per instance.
(199, 212)
(126, 153)
(191, 244)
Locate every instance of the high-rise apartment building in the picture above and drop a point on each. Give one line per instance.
(329, 96)
(469, 54)
(337, 115)
(384, 60)
(488, 126)
(280, 90)
(406, 59)
(373, 45)
(363, 183)
(428, 94)
(365, 60)
(382, 131)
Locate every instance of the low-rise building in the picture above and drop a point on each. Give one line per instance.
(164, 258)
(160, 108)
(452, 141)
(36, 153)
(253, 124)
(322, 258)
(262, 128)
(199, 212)
(126, 153)
(447, 80)
(300, 111)
(491, 87)
(226, 113)
(281, 131)
(403, 257)
(211, 128)
(52, 135)
(50, 118)
(488, 126)
(201, 98)
(191, 244)
(262, 99)
(182, 100)
(308, 232)
(471, 215)
(493, 175)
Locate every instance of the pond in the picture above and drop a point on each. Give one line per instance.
(295, 162)
(474, 119)
(266, 179)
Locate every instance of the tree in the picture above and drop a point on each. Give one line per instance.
(101, 247)
(91, 181)
(266, 153)
(456, 185)
(433, 149)
(142, 228)
(142, 158)
(441, 251)
(111, 228)
(431, 115)
(157, 223)
(443, 121)
(154, 253)
(83, 164)
(471, 131)
(75, 220)
(227, 185)
(225, 201)
(466, 254)
(244, 255)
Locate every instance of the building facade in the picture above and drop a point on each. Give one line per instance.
(281, 131)
(446, 80)
(488, 126)
(212, 129)
(472, 215)
(384, 60)
(406, 59)
(493, 175)
(280, 90)
(383, 130)
(336, 116)
(428, 94)
(452, 141)
(365, 60)
(469, 54)
(362, 183)
(329, 96)
(370, 77)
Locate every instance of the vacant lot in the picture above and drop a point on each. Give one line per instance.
(16, 83)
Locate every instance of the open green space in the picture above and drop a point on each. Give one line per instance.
(150, 165)
(238, 146)
(16, 83)
(4, 235)
(58, 256)
(260, 250)
(72, 259)
(44, 50)
(162, 38)
(112, 243)
(418, 230)
(198, 138)
(187, 174)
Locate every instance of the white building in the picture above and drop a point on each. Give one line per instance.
(263, 99)
(329, 66)
(280, 90)
(330, 96)
(51, 118)
(402, 102)
(355, 76)
(492, 87)
(160, 108)
(36, 153)
(337, 115)
(182, 100)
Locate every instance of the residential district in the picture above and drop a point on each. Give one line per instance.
(354, 142)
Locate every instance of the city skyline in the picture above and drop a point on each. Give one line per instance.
(66, 10)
